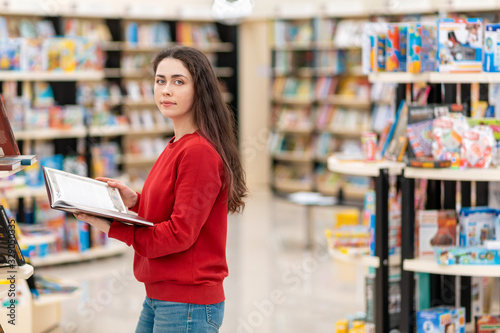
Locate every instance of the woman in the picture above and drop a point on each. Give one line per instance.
(196, 180)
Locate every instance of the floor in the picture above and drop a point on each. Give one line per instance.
(275, 285)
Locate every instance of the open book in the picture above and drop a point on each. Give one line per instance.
(72, 193)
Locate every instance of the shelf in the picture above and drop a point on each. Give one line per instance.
(431, 266)
(111, 130)
(212, 47)
(367, 169)
(355, 132)
(112, 249)
(52, 76)
(165, 129)
(402, 77)
(492, 174)
(55, 298)
(435, 77)
(21, 272)
(364, 260)
(293, 100)
(293, 157)
(352, 101)
(127, 47)
(47, 134)
(112, 46)
(37, 240)
(136, 73)
(25, 192)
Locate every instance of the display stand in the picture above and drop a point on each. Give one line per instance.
(380, 171)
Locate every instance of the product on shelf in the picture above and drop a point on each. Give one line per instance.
(396, 47)
(466, 255)
(488, 323)
(435, 228)
(421, 47)
(443, 319)
(477, 224)
(460, 45)
(10, 252)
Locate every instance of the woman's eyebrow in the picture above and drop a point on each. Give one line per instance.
(172, 76)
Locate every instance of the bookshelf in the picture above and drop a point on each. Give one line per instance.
(320, 101)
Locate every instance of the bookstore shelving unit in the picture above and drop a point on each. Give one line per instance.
(380, 171)
(318, 103)
(441, 277)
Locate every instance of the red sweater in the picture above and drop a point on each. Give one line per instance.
(183, 257)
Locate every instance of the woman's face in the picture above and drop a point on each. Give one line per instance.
(174, 89)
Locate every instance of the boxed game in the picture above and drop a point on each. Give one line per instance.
(491, 59)
(460, 45)
(487, 323)
(421, 48)
(465, 255)
(442, 319)
(396, 47)
(435, 228)
(477, 224)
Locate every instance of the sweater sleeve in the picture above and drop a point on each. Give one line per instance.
(197, 187)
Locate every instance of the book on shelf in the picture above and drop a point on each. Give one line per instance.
(10, 252)
(8, 143)
(76, 194)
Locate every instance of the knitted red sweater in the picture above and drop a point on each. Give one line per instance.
(183, 257)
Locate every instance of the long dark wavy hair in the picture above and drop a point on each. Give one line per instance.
(213, 117)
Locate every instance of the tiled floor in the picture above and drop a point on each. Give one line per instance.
(274, 284)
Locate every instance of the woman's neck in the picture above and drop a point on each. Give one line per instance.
(180, 131)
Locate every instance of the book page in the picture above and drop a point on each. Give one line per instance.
(84, 191)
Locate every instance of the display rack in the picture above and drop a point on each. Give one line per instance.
(380, 171)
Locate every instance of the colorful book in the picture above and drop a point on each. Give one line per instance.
(22, 159)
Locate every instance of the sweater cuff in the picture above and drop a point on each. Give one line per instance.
(121, 232)
(135, 208)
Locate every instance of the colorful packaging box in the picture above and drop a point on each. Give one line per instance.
(422, 46)
(477, 224)
(396, 47)
(443, 319)
(377, 53)
(466, 255)
(487, 323)
(435, 228)
(460, 45)
(491, 60)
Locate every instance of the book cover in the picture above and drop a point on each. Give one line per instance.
(9, 165)
(8, 143)
(22, 159)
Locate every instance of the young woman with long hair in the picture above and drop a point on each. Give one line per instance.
(188, 193)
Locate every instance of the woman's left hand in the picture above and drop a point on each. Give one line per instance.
(97, 222)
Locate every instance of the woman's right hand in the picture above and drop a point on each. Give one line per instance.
(128, 195)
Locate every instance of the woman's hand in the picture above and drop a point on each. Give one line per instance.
(128, 195)
(97, 222)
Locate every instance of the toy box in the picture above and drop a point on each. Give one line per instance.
(443, 319)
(466, 255)
(435, 228)
(421, 48)
(460, 45)
(377, 53)
(491, 60)
(395, 47)
(477, 224)
(487, 323)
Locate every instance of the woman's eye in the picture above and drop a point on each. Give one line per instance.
(178, 82)
(159, 81)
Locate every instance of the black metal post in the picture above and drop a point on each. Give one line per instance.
(382, 252)
(407, 322)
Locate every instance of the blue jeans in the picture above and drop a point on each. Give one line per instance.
(171, 317)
